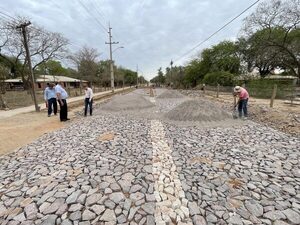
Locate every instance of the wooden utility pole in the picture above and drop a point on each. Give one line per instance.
(23, 29)
(112, 77)
(137, 75)
(273, 95)
(171, 64)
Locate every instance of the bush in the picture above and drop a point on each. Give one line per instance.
(222, 78)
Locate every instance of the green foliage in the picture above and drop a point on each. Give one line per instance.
(222, 78)
(221, 57)
(52, 67)
(272, 37)
(194, 72)
(130, 77)
(160, 78)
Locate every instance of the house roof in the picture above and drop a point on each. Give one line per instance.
(17, 80)
(52, 78)
(47, 79)
(281, 77)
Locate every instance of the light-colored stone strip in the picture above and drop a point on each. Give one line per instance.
(171, 206)
(152, 99)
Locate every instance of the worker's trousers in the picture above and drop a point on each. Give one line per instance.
(243, 107)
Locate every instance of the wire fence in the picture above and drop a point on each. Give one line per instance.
(22, 98)
(291, 93)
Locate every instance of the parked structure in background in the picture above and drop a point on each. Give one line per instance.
(42, 80)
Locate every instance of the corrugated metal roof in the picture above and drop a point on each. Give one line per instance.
(17, 80)
(47, 79)
(51, 78)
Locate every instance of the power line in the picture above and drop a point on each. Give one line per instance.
(213, 34)
(99, 11)
(95, 18)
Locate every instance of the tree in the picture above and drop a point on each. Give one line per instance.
(86, 60)
(130, 77)
(194, 72)
(272, 35)
(52, 67)
(103, 73)
(221, 57)
(221, 78)
(3, 77)
(159, 79)
(43, 46)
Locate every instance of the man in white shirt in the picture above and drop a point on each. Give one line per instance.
(62, 96)
(88, 101)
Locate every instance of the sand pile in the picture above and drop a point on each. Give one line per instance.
(197, 110)
(170, 94)
(130, 101)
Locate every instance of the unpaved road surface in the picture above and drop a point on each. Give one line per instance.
(161, 160)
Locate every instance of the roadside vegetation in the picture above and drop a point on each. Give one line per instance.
(269, 41)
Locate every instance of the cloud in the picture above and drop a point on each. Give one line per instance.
(152, 32)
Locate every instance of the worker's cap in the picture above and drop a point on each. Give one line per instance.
(237, 89)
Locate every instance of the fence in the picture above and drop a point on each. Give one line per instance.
(289, 93)
(21, 98)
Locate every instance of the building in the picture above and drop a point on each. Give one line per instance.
(42, 80)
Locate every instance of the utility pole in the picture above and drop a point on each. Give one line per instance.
(112, 78)
(171, 64)
(23, 29)
(137, 75)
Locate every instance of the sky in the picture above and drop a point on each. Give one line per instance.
(152, 32)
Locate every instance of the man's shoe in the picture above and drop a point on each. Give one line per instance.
(49, 115)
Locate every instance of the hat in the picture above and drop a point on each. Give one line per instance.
(237, 89)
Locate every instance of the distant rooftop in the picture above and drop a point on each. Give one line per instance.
(47, 79)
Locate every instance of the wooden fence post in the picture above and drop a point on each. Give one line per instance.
(273, 95)
(234, 100)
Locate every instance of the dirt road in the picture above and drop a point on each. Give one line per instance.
(22, 129)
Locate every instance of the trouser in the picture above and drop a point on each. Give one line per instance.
(243, 107)
(52, 103)
(63, 114)
(88, 103)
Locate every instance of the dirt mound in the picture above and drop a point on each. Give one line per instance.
(197, 110)
(170, 94)
(130, 101)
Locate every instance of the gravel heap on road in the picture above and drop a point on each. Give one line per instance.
(130, 101)
(170, 94)
(197, 110)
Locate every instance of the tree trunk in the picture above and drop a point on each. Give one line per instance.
(3, 104)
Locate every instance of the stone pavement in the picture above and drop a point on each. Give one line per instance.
(115, 168)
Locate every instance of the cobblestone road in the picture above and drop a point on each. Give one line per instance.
(135, 166)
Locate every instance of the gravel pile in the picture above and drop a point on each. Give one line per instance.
(170, 94)
(197, 110)
(130, 101)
